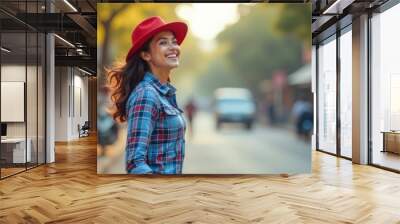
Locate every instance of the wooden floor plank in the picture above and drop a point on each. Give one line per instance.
(70, 191)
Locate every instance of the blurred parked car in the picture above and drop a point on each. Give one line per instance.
(234, 105)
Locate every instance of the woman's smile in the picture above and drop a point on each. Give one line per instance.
(172, 56)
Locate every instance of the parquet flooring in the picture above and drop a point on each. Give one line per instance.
(70, 191)
(9, 171)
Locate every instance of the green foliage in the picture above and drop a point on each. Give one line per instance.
(192, 59)
(218, 74)
(256, 49)
(295, 20)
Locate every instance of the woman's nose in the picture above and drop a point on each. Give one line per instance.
(174, 46)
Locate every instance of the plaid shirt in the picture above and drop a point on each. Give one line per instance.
(156, 129)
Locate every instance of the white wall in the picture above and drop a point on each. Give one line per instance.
(71, 93)
(61, 103)
(13, 73)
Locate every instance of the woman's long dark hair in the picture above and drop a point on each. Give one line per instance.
(124, 78)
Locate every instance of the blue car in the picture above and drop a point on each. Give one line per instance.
(234, 105)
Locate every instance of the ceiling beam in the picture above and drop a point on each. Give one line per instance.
(337, 7)
(83, 61)
(84, 24)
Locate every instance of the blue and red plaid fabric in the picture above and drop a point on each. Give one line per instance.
(156, 129)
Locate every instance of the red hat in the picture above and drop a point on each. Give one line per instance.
(151, 26)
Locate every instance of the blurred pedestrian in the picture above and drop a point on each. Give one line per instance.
(303, 117)
(191, 110)
(271, 113)
(145, 98)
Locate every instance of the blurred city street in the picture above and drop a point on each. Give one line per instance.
(232, 150)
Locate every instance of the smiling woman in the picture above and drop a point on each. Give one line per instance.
(145, 99)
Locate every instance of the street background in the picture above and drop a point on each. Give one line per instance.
(249, 46)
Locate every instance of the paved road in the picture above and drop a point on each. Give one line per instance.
(231, 150)
(234, 150)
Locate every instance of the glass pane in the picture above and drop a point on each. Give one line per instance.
(31, 97)
(346, 94)
(22, 78)
(32, 83)
(386, 89)
(13, 84)
(327, 96)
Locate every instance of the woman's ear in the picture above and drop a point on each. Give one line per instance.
(145, 56)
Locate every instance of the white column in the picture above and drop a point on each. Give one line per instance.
(50, 92)
(360, 90)
(50, 109)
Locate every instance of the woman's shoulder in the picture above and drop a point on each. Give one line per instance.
(144, 91)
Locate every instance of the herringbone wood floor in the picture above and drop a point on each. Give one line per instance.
(70, 191)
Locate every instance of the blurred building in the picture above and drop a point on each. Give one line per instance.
(276, 99)
(300, 81)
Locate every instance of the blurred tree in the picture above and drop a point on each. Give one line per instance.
(192, 60)
(295, 20)
(105, 19)
(217, 74)
(256, 50)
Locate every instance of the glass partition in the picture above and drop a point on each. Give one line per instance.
(385, 89)
(327, 96)
(22, 88)
(31, 97)
(13, 94)
(346, 93)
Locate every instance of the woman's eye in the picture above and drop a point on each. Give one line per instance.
(164, 42)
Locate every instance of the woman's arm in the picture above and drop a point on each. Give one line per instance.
(142, 115)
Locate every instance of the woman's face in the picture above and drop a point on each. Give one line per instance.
(163, 52)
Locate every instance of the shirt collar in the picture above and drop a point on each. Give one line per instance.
(165, 89)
